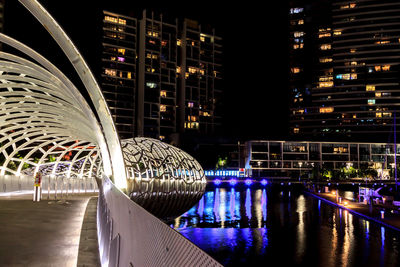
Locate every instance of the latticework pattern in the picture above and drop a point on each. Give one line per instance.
(45, 124)
(163, 179)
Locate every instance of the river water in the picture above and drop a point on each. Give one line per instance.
(278, 226)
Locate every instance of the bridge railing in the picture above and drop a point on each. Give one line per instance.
(130, 236)
(54, 184)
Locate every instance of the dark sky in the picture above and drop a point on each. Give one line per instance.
(255, 52)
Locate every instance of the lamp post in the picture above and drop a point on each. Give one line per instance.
(300, 164)
(239, 154)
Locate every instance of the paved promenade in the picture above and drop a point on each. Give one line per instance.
(391, 220)
(45, 233)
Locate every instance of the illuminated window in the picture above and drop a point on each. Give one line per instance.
(347, 76)
(371, 101)
(192, 70)
(121, 51)
(386, 67)
(178, 69)
(382, 42)
(110, 72)
(154, 34)
(202, 38)
(115, 20)
(296, 130)
(111, 19)
(323, 35)
(179, 42)
(299, 111)
(204, 114)
(325, 46)
(353, 50)
(337, 32)
(298, 46)
(296, 10)
(163, 108)
(350, 5)
(162, 137)
(325, 84)
(192, 118)
(300, 22)
(190, 104)
(340, 149)
(386, 114)
(298, 34)
(151, 85)
(325, 60)
(326, 109)
(325, 78)
(295, 70)
(378, 94)
(129, 75)
(163, 93)
(370, 87)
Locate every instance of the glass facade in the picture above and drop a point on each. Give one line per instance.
(352, 87)
(161, 77)
(280, 158)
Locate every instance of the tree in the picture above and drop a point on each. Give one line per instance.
(221, 162)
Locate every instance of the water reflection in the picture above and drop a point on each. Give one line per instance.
(245, 226)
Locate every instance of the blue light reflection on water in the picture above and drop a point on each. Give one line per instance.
(245, 226)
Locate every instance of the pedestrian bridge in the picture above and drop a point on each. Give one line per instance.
(47, 127)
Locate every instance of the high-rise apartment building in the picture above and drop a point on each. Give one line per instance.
(345, 78)
(118, 79)
(161, 77)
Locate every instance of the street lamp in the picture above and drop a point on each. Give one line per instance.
(259, 164)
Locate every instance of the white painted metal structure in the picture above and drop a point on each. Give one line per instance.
(113, 162)
(45, 122)
(46, 125)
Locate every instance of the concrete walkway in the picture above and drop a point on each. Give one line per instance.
(391, 220)
(45, 233)
(88, 245)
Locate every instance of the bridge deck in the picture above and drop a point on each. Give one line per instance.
(45, 233)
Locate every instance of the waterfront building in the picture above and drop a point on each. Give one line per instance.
(161, 77)
(285, 158)
(118, 78)
(349, 84)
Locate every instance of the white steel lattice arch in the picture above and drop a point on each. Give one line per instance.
(45, 124)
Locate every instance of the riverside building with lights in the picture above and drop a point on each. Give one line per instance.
(349, 86)
(283, 159)
(161, 77)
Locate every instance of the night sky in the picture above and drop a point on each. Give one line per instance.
(255, 52)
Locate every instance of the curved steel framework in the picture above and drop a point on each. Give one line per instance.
(160, 173)
(46, 125)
